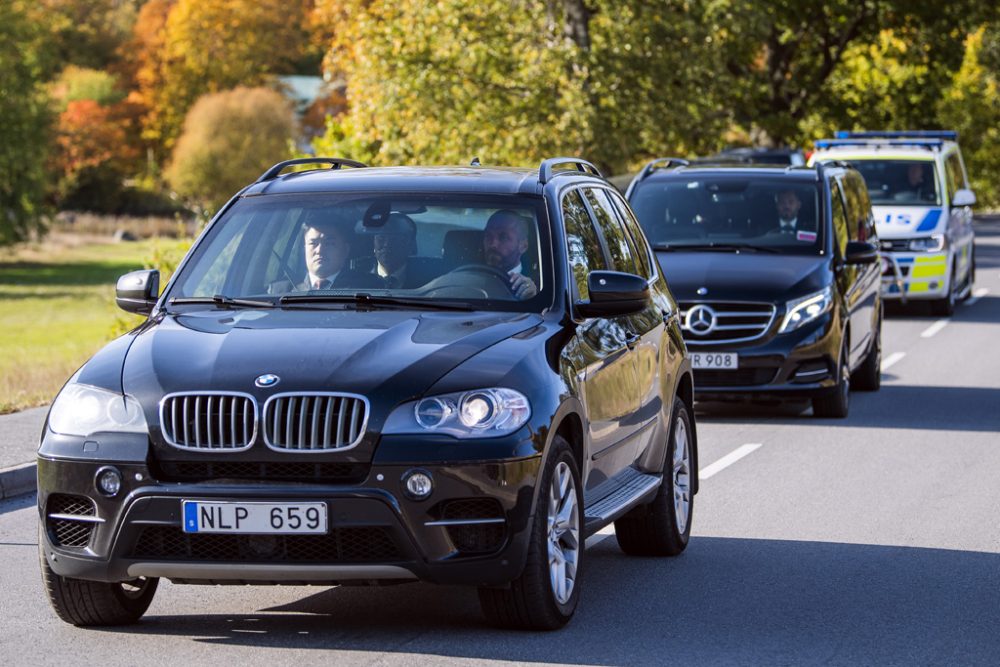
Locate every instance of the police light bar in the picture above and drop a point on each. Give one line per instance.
(944, 135)
(876, 143)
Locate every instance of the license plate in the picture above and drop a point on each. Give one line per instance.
(715, 360)
(253, 517)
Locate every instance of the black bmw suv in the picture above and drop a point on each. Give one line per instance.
(777, 274)
(452, 375)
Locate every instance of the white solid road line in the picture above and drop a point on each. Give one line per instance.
(977, 295)
(892, 360)
(726, 461)
(934, 328)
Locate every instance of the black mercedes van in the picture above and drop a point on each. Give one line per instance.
(777, 273)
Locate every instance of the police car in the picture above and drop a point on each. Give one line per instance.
(923, 210)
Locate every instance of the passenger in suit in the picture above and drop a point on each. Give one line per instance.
(327, 249)
(505, 240)
(788, 205)
(395, 243)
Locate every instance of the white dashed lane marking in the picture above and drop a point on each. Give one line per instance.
(933, 329)
(892, 360)
(977, 295)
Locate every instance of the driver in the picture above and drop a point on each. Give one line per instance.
(505, 241)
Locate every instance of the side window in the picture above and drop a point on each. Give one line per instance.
(861, 223)
(583, 245)
(641, 250)
(953, 175)
(839, 217)
(614, 232)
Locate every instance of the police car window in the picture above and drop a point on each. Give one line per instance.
(613, 231)
(583, 245)
(900, 182)
(953, 175)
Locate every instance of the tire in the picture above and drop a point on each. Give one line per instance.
(533, 601)
(945, 307)
(970, 279)
(94, 603)
(868, 377)
(836, 404)
(662, 527)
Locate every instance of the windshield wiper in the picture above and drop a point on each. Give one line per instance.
(223, 301)
(715, 247)
(367, 300)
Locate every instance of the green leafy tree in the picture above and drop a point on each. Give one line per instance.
(971, 105)
(24, 123)
(214, 45)
(81, 83)
(229, 139)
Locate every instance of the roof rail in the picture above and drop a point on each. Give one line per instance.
(661, 163)
(946, 135)
(547, 170)
(334, 162)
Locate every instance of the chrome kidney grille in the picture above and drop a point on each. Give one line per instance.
(203, 421)
(716, 323)
(314, 422)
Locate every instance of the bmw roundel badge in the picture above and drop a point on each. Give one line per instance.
(267, 380)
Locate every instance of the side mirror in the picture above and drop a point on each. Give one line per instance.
(861, 252)
(137, 292)
(613, 293)
(963, 197)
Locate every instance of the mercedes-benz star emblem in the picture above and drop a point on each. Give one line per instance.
(700, 320)
(267, 380)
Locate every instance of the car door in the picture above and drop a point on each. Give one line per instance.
(844, 273)
(867, 277)
(599, 354)
(960, 229)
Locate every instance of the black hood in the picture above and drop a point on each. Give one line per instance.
(387, 356)
(743, 276)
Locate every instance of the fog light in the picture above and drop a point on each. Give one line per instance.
(418, 484)
(108, 481)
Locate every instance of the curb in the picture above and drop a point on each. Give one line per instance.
(18, 480)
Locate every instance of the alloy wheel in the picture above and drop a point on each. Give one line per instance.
(563, 532)
(681, 476)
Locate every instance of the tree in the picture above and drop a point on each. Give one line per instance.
(24, 123)
(229, 139)
(87, 33)
(971, 105)
(439, 83)
(215, 45)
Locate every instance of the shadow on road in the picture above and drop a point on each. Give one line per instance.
(735, 601)
(895, 406)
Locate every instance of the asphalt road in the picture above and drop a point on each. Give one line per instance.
(870, 540)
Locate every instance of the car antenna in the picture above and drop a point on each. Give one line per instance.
(475, 162)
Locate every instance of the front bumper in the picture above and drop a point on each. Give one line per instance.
(800, 364)
(376, 533)
(908, 275)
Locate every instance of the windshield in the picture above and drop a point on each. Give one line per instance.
(772, 215)
(899, 182)
(488, 253)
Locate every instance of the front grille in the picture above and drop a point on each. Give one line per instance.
(67, 532)
(200, 471)
(314, 422)
(740, 377)
(712, 323)
(209, 421)
(474, 537)
(340, 545)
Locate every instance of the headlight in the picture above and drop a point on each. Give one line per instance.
(934, 243)
(800, 312)
(481, 413)
(81, 409)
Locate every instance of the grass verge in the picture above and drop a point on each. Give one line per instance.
(56, 309)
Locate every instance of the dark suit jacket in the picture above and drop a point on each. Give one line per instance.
(346, 279)
(419, 271)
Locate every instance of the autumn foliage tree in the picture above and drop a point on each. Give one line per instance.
(229, 139)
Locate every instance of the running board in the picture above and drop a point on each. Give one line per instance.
(637, 488)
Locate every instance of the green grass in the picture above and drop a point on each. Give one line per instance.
(57, 309)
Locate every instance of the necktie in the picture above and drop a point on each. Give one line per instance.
(321, 283)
